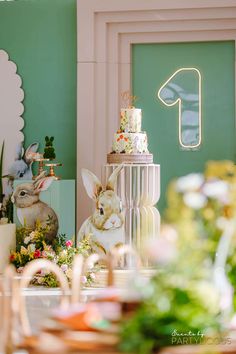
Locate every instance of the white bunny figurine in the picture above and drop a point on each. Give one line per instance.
(107, 222)
(21, 167)
(30, 209)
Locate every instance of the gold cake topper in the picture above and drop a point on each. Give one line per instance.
(128, 100)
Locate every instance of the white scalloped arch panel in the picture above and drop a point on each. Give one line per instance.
(11, 109)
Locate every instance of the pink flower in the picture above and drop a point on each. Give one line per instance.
(37, 254)
(163, 249)
(44, 254)
(44, 272)
(64, 267)
(69, 243)
(83, 279)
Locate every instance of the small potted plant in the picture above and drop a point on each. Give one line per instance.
(49, 151)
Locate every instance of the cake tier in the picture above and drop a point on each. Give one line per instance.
(130, 143)
(130, 120)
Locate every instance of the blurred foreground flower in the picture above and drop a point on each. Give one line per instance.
(181, 300)
(163, 249)
(190, 291)
(189, 183)
(201, 206)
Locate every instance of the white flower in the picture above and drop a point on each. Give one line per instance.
(27, 240)
(90, 265)
(64, 267)
(92, 276)
(195, 200)
(31, 248)
(217, 189)
(190, 182)
(63, 253)
(32, 235)
(23, 250)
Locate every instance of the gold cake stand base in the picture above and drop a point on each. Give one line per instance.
(129, 158)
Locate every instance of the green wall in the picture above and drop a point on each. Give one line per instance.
(153, 64)
(40, 37)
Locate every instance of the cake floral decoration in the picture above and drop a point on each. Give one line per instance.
(129, 139)
(128, 100)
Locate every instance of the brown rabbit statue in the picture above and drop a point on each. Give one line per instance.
(106, 225)
(30, 209)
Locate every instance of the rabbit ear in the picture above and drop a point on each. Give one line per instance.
(19, 152)
(91, 183)
(113, 177)
(43, 184)
(39, 177)
(29, 153)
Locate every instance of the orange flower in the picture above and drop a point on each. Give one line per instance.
(122, 136)
(126, 139)
(12, 257)
(118, 139)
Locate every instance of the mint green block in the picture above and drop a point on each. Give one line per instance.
(60, 196)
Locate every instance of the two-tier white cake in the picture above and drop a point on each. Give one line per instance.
(130, 143)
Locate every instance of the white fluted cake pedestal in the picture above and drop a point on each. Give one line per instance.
(138, 186)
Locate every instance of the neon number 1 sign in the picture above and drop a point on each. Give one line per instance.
(184, 88)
